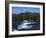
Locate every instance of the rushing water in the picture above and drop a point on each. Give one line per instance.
(25, 25)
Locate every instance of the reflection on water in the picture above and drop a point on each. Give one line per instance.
(25, 25)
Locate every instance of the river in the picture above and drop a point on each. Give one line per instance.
(25, 25)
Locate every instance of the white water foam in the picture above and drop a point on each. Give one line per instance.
(24, 25)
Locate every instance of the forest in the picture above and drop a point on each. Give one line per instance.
(26, 16)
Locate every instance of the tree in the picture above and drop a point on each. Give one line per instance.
(26, 16)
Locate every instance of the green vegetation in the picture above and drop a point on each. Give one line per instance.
(26, 16)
